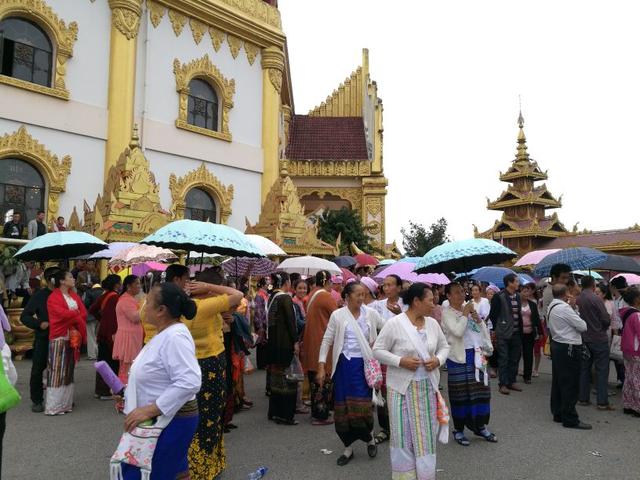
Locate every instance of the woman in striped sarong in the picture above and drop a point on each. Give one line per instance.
(469, 392)
(413, 346)
(67, 330)
(352, 396)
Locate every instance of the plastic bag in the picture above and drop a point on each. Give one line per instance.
(294, 372)
(248, 366)
(616, 348)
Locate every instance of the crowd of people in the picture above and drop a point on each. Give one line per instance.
(340, 353)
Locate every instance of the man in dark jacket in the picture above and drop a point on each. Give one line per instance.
(14, 227)
(506, 316)
(35, 316)
(596, 340)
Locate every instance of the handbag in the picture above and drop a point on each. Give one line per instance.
(294, 372)
(615, 352)
(373, 373)
(9, 396)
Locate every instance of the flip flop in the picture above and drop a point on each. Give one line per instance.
(381, 437)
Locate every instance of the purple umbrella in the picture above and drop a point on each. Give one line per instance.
(246, 266)
(405, 271)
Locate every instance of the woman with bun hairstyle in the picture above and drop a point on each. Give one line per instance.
(206, 455)
(413, 346)
(350, 347)
(282, 345)
(163, 382)
(320, 306)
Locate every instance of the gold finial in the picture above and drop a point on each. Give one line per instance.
(521, 155)
(284, 168)
(135, 137)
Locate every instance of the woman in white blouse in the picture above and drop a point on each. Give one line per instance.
(163, 382)
(351, 332)
(413, 346)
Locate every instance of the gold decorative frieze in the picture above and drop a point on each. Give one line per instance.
(234, 45)
(198, 30)
(63, 37)
(55, 171)
(204, 69)
(252, 52)
(200, 178)
(217, 38)
(178, 21)
(156, 12)
(257, 9)
(322, 168)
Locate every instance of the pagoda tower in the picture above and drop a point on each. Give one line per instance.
(524, 225)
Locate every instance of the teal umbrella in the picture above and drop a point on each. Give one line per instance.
(60, 246)
(203, 237)
(464, 255)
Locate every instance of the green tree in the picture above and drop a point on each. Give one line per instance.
(418, 240)
(348, 224)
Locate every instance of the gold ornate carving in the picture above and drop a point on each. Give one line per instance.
(275, 76)
(374, 205)
(345, 101)
(130, 205)
(55, 172)
(353, 195)
(273, 62)
(257, 9)
(282, 219)
(203, 68)
(252, 51)
(217, 37)
(198, 30)
(234, 45)
(321, 168)
(200, 178)
(178, 21)
(156, 12)
(63, 36)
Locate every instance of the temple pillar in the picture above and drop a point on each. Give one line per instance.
(374, 192)
(125, 23)
(272, 69)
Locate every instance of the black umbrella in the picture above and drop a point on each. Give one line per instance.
(619, 263)
(344, 261)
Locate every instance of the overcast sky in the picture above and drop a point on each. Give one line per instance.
(450, 72)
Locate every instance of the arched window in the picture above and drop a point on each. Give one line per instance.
(25, 51)
(22, 189)
(200, 206)
(203, 105)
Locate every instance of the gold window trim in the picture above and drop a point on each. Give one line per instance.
(204, 69)
(203, 179)
(62, 36)
(21, 145)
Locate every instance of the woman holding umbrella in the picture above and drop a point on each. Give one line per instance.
(67, 332)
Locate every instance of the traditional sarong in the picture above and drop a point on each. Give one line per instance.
(414, 428)
(470, 400)
(282, 402)
(631, 388)
(353, 413)
(206, 454)
(61, 365)
(170, 456)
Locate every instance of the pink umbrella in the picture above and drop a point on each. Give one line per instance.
(347, 275)
(364, 260)
(140, 254)
(535, 257)
(632, 278)
(405, 271)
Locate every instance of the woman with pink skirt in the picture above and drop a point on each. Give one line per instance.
(130, 334)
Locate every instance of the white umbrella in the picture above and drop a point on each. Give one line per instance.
(308, 266)
(269, 248)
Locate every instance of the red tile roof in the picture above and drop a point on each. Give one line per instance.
(327, 138)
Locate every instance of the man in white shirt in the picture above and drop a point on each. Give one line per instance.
(566, 329)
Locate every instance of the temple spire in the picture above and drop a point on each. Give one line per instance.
(521, 155)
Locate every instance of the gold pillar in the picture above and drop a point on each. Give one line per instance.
(272, 68)
(125, 22)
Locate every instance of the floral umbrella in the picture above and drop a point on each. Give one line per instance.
(140, 254)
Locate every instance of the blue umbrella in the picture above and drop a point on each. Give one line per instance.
(580, 258)
(464, 255)
(344, 261)
(203, 237)
(60, 246)
(524, 279)
(410, 259)
(493, 275)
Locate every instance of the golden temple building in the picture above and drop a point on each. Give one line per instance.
(524, 225)
(123, 115)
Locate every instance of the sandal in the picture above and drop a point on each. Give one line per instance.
(461, 439)
(282, 421)
(381, 437)
(487, 435)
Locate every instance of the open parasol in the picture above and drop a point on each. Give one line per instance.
(60, 246)
(308, 265)
(463, 255)
(140, 254)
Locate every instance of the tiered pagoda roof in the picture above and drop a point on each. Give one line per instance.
(523, 203)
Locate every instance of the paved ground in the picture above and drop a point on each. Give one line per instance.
(78, 445)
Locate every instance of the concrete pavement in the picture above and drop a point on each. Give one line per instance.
(79, 445)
